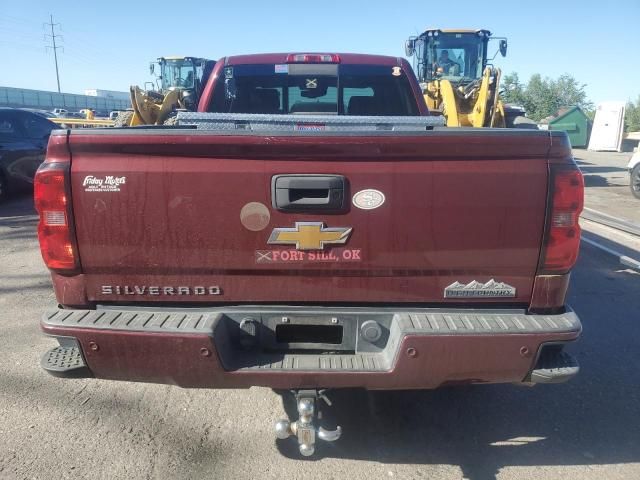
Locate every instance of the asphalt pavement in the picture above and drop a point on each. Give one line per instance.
(606, 179)
(51, 428)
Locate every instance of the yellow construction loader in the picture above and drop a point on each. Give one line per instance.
(458, 79)
(179, 83)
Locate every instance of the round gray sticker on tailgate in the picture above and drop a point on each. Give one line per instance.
(368, 199)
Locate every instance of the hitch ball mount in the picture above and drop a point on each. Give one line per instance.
(304, 428)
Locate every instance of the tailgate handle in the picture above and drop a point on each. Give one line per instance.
(305, 193)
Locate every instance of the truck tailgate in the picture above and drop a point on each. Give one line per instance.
(182, 215)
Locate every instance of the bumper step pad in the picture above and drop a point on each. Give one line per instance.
(431, 322)
(65, 361)
(554, 367)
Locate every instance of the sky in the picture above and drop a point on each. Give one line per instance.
(108, 45)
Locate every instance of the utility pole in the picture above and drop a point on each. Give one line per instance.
(54, 47)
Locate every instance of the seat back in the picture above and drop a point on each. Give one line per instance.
(361, 105)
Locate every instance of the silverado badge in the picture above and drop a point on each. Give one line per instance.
(310, 236)
(478, 290)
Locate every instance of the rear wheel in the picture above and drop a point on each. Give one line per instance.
(123, 119)
(634, 183)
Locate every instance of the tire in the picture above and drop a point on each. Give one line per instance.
(123, 119)
(521, 122)
(634, 181)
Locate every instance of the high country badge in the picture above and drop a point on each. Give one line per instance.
(475, 289)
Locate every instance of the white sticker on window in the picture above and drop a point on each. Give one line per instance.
(282, 68)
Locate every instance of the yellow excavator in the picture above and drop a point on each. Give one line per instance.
(458, 79)
(179, 80)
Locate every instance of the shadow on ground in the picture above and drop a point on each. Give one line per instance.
(18, 205)
(594, 175)
(594, 419)
(596, 181)
(600, 169)
(18, 219)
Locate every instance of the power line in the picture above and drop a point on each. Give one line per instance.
(54, 47)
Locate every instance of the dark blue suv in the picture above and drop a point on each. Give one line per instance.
(23, 142)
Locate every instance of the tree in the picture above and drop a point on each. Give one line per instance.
(632, 117)
(543, 97)
(513, 89)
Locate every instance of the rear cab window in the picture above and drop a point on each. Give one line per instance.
(314, 89)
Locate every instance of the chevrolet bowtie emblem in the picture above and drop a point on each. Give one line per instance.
(310, 236)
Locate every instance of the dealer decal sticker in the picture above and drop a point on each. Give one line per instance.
(336, 255)
(107, 183)
(309, 127)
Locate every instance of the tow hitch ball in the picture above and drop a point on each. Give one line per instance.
(304, 428)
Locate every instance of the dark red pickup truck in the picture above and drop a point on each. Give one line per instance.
(311, 227)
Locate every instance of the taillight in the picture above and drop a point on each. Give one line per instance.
(55, 232)
(562, 238)
(313, 58)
